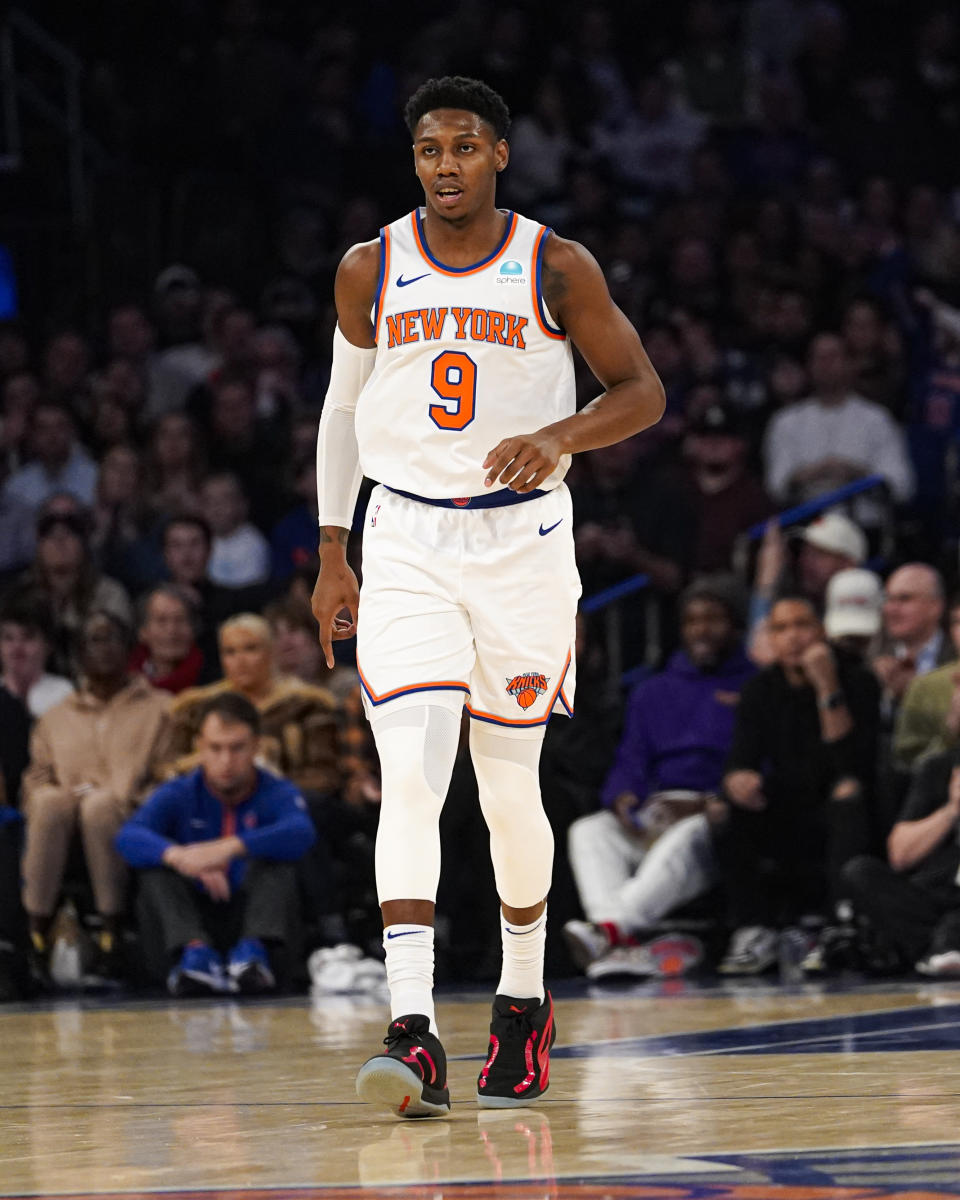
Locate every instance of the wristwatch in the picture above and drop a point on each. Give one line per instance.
(834, 700)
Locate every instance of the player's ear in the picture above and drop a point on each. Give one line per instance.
(501, 154)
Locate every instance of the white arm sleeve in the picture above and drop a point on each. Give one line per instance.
(338, 458)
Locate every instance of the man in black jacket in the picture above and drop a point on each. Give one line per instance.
(913, 899)
(798, 777)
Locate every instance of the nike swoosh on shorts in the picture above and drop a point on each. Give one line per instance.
(544, 532)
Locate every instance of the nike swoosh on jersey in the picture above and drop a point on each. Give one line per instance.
(544, 532)
(401, 282)
(403, 933)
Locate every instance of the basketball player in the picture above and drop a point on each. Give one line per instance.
(452, 385)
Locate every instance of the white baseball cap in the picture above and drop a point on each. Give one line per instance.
(837, 534)
(854, 604)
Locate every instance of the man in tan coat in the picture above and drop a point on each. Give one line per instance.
(91, 757)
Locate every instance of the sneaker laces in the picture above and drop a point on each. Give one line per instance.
(517, 1024)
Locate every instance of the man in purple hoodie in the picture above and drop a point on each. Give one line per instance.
(648, 851)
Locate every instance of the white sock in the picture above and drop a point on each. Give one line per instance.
(409, 951)
(523, 950)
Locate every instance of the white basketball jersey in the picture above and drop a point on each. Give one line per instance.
(466, 356)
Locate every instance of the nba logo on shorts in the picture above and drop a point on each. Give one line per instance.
(373, 519)
(527, 687)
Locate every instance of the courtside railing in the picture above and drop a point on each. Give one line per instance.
(609, 600)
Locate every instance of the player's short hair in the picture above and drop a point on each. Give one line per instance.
(458, 91)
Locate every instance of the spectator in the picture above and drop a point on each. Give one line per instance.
(928, 721)
(293, 539)
(167, 654)
(829, 544)
(798, 781)
(876, 355)
(299, 721)
(174, 466)
(726, 496)
(240, 554)
(17, 536)
(913, 639)
(297, 648)
(649, 851)
(833, 438)
(854, 610)
(187, 542)
(90, 757)
(60, 463)
(216, 850)
(68, 581)
(120, 517)
(26, 641)
(21, 393)
(245, 445)
(66, 365)
(911, 898)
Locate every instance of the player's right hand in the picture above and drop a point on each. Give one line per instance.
(336, 592)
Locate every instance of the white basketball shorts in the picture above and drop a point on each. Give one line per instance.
(472, 603)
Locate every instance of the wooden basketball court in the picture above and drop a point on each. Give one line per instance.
(741, 1091)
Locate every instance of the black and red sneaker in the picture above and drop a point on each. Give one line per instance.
(517, 1070)
(410, 1079)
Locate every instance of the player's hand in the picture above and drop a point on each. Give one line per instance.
(216, 885)
(745, 789)
(336, 592)
(200, 858)
(524, 462)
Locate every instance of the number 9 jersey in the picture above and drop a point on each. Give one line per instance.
(466, 356)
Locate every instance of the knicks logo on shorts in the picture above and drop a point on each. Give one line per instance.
(527, 687)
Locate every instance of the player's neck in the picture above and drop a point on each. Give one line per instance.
(465, 240)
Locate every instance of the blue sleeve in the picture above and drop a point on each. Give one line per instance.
(631, 767)
(286, 832)
(142, 841)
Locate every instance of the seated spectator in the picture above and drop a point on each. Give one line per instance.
(91, 755)
(293, 539)
(60, 464)
(26, 640)
(297, 648)
(167, 654)
(835, 437)
(829, 544)
(17, 536)
(299, 721)
(67, 579)
(120, 518)
(215, 850)
(928, 720)
(913, 641)
(19, 396)
(15, 981)
(727, 498)
(240, 554)
(187, 542)
(649, 851)
(245, 445)
(911, 898)
(854, 611)
(175, 466)
(797, 782)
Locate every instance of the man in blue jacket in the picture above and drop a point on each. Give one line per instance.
(216, 850)
(648, 851)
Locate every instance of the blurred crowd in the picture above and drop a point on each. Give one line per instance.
(761, 768)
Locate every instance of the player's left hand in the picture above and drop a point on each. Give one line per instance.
(524, 462)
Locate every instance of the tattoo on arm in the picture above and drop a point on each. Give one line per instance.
(554, 286)
(341, 536)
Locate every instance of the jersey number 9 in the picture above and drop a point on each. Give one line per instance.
(454, 378)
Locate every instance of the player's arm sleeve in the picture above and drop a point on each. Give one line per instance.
(338, 456)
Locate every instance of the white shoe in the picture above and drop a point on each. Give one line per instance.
(586, 942)
(753, 949)
(946, 964)
(663, 957)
